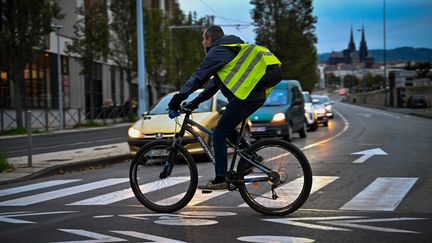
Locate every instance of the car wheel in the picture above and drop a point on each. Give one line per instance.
(288, 136)
(326, 124)
(302, 132)
(314, 126)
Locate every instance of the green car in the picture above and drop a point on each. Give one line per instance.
(282, 114)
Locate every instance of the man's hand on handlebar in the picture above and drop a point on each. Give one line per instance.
(173, 113)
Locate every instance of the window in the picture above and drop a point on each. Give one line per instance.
(5, 99)
(113, 86)
(277, 97)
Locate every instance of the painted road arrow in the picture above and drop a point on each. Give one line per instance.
(10, 217)
(345, 222)
(368, 153)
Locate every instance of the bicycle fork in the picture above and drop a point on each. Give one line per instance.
(169, 163)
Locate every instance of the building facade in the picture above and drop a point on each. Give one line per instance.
(40, 91)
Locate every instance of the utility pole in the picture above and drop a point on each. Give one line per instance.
(142, 89)
(57, 28)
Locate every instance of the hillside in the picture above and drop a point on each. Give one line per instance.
(397, 54)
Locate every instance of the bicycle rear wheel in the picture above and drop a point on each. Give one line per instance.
(291, 181)
(166, 194)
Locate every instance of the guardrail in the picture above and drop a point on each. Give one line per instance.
(49, 119)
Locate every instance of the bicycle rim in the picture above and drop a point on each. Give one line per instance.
(163, 195)
(293, 183)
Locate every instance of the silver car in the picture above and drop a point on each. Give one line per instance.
(311, 113)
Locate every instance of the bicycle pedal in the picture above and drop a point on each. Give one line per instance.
(206, 191)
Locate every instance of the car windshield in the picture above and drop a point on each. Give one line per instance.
(277, 97)
(161, 106)
(307, 98)
(319, 98)
(325, 99)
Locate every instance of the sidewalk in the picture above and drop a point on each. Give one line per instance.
(59, 162)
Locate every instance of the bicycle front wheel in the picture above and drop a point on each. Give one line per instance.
(287, 187)
(156, 184)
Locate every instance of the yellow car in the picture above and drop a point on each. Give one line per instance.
(155, 123)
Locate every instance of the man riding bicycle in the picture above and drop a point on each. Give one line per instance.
(245, 74)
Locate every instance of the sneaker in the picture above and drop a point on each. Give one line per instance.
(250, 167)
(223, 186)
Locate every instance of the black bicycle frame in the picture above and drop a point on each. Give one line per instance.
(189, 125)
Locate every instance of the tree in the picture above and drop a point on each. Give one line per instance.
(124, 42)
(91, 41)
(186, 52)
(287, 28)
(25, 25)
(156, 51)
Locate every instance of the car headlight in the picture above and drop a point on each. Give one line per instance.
(328, 107)
(134, 133)
(278, 117)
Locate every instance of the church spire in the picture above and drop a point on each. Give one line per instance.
(363, 51)
(351, 45)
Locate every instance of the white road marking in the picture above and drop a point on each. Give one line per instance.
(292, 189)
(143, 236)
(274, 238)
(368, 153)
(9, 218)
(351, 223)
(34, 186)
(42, 197)
(384, 194)
(345, 221)
(128, 193)
(346, 126)
(96, 238)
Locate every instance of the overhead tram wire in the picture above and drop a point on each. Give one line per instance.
(227, 20)
(202, 27)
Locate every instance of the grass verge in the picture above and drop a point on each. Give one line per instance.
(4, 165)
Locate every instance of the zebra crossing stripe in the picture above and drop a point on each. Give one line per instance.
(384, 194)
(25, 201)
(291, 189)
(34, 186)
(128, 193)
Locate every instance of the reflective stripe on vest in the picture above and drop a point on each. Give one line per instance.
(243, 73)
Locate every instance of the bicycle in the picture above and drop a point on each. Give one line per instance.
(161, 168)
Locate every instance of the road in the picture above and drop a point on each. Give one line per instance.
(372, 183)
(65, 141)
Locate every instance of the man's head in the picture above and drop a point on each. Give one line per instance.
(210, 35)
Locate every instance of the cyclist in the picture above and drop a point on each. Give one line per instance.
(244, 73)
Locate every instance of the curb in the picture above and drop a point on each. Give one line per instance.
(53, 170)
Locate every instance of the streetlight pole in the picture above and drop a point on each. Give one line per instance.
(385, 50)
(142, 89)
(57, 28)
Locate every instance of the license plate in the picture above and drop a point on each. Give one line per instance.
(258, 129)
(159, 152)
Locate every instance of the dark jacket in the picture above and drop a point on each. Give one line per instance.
(217, 57)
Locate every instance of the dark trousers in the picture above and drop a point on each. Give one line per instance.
(236, 111)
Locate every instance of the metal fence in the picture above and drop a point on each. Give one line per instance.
(50, 119)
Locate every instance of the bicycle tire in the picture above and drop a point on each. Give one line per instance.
(291, 166)
(161, 195)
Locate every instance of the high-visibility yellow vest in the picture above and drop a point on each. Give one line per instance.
(242, 74)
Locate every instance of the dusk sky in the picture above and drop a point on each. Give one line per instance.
(409, 22)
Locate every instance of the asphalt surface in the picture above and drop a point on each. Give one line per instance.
(97, 204)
